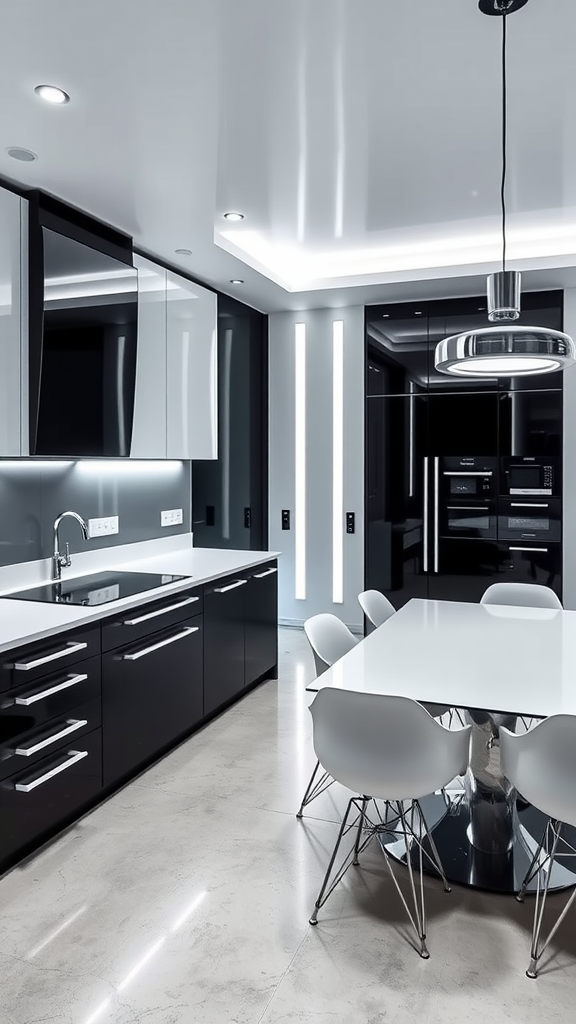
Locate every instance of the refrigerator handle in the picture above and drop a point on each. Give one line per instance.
(436, 511)
(425, 527)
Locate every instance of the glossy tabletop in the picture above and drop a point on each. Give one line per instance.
(513, 660)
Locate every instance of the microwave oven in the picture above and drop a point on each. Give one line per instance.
(530, 476)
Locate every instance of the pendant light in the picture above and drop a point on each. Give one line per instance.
(506, 350)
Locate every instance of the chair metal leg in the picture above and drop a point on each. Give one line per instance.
(418, 920)
(435, 858)
(358, 805)
(314, 789)
(359, 832)
(533, 867)
(536, 950)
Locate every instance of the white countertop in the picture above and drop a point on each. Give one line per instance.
(492, 657)
(25, 621)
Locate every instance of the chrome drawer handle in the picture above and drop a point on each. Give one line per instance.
(159, 611)
(71, 648)
(230, 586)
(545, 550)
(70, 681)
(163, 643)
(459, 472)
(468, 508)
(73, 757)
(261, 575)
(72, 726)
(528, 504)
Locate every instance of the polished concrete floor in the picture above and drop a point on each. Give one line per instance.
(186, 897)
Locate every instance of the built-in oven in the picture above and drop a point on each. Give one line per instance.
(530, 476)
(526, 519)
(468, 489)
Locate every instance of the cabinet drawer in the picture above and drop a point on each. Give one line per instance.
(26, 664)
(150, 618)
(151, 695)
(36, 800)
(20, 747)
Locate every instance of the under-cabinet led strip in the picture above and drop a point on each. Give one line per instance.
(338, 462)
(300, 461)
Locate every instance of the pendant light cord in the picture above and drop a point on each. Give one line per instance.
(504, 134)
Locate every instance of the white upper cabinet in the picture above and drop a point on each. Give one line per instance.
(175, 410)
(191, 370)
(13, 325)
(149, 426)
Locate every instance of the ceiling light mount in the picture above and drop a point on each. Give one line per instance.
(52, 94)
(233, 216)
(496, 8)
(19, 153)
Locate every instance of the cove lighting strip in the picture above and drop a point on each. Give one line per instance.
(338, 462)
(300, 461)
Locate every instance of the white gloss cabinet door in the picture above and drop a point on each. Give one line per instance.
(191, 370)
(149, 426)
(13, 304)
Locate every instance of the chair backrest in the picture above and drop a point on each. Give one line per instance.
(329, 638)
(541, 763)
(375, 606)
(529, 595)
(383, 746)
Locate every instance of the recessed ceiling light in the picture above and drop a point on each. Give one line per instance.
(233, 216)
(385, 315)
(52, 94)
(17, 153)
(417, 312)
(236, 280)
(183, 252)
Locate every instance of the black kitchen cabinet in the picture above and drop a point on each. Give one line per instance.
(224, 614)
(531, 563)
(151, 695)
(44, 797)
(261, 623)
(530, 423)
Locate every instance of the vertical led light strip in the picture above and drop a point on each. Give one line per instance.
(338, 462)
(300, 461)
(411, 443)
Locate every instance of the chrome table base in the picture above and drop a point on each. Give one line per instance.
(464, 864)
(486, 835)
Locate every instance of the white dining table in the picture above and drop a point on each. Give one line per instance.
(500, 665)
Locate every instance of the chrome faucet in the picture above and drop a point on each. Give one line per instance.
(63, 561)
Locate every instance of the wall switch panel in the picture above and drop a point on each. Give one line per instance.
(285, 518)
(350, 522)
(103, 527)
(172, 517)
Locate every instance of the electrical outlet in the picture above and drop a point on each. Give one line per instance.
(103, 527)
(172, 517)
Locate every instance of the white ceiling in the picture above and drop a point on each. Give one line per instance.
(360, 138)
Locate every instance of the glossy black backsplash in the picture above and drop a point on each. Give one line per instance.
(33, 493)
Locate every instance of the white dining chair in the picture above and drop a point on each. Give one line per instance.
(330, 639)
(527, 595)
(541, 764)
(376, 607)
(388, 749)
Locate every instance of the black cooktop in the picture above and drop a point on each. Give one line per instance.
(100, 588)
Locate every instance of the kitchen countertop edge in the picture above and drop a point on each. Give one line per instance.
(54, 619)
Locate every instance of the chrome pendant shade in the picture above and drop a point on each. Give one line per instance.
(508, 350)
(505, 351)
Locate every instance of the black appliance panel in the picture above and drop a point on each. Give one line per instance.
(530, 476)
(82, 387)
(467, 496)
(522, 562)
(100, 588)
(530, 520)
